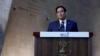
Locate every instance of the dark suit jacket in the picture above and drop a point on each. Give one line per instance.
(71, 26)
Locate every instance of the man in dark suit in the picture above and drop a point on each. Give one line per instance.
(63, 23)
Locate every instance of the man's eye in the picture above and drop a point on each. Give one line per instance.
(57, 12)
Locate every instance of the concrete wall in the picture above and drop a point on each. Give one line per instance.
(5, 6)
(27, 16)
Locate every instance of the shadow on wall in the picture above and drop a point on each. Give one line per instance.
(1, 38)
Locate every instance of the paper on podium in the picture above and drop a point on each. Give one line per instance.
(65, 34)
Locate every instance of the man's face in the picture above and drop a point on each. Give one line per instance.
(60, 13)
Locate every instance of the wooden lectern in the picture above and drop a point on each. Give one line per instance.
(61, 43)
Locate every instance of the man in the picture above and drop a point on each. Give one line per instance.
(63, 23)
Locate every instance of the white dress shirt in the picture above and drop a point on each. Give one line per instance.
(65, 22)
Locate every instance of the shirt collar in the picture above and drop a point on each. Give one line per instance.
(61, 21)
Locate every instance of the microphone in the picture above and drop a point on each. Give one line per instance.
(59, 28)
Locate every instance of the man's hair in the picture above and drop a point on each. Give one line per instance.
(61, 7)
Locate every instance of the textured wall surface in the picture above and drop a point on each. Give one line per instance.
(5, 6)
(27, 16)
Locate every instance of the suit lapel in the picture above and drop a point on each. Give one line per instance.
(68, 25)
(58, 25)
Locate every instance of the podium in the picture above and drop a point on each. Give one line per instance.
(62, 43)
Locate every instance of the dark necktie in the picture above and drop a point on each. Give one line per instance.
(62, 26)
